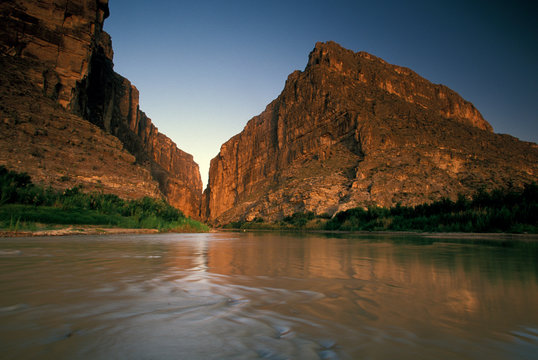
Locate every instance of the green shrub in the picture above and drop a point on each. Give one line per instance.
(21, 199)
(500, 210)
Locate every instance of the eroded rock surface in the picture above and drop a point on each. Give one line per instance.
(58, 148)
(60, 34)
(352, 130)
(56, 52)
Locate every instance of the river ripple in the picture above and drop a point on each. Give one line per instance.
(270, 296)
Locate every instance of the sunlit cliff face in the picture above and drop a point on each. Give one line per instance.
(351, 131)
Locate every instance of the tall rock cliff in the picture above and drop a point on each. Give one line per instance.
(58, 75)
(111, 102)
(352, 130)
(59, 34)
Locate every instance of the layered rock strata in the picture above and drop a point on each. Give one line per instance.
(60, 34)
(352, 130)
(56, 50)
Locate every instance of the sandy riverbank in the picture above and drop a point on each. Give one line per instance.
(98, 230)
(76, 230)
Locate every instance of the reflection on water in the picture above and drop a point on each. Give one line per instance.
(271, 296)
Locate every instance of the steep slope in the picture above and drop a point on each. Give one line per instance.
(57, 74)
(110, 101)
(58, 148)
(352, 130)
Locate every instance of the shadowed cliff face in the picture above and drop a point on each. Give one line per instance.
(56, 50)
(111, 102)
(352, 130)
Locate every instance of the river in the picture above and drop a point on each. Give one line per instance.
(268, 296)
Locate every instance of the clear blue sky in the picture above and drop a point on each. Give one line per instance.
(204, 68)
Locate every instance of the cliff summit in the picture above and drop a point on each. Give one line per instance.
(352, 130)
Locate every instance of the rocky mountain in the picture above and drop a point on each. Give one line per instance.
(352, 130)
(67, 118)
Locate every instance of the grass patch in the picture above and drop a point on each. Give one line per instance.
(52, 215)
(26, 206)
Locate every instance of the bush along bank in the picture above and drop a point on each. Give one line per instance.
(502, 210)
(27, 206)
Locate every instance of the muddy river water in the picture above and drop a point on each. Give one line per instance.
(268, 296)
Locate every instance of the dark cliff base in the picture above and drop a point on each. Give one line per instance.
(500, 211)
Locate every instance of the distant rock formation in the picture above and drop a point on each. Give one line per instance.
(55, 51)
(352, 130)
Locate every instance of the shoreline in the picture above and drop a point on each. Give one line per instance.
(76, 230)
(434, 235)
(99, 230)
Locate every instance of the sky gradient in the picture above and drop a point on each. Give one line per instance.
(204, 68)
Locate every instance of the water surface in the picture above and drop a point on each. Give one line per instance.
(268, 296)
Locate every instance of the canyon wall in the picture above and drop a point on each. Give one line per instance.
(352, 130)
(58, 60)
(60, 34)
(111, 102)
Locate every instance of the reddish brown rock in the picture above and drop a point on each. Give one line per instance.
(57, 50)
(352, 130)
(59, 33)
(58, 148)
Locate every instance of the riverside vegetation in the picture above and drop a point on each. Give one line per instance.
(27, 206)
(501, 210)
